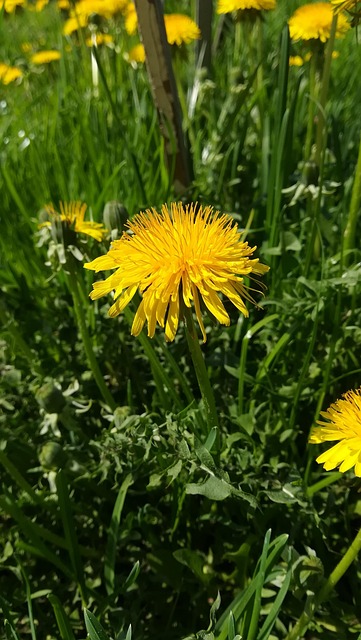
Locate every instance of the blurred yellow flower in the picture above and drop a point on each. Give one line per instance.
(73, 24)
(40, 4)
(180, 29)
(99, 39)
(10, 5)
(295, 61)
(72, 214)
(131, 19)
(104, 8)
(313, 22)
(44, 57)
(174, 258)
(343, 424)
(136, 54)
(64, 4)
(226, 6)
(9, 74)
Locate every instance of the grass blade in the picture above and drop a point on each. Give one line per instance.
(110, 553)
(63, 623)
(70, 533)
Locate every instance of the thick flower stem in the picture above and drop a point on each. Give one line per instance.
(350, 231)
(311, 108)
(88, 348)
(300, 627)
(201, 370)
(321, 138)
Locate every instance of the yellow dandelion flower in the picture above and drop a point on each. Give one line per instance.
(46, 56)
(180, 29)
(136, 54)
(26, 47)
(73, 24)
(10, 5)
(313, 22)
(295, 61)
(104, 8)
(343, 424)
(174, 258)
(99, 39)
(9, 74)
(131, 19)
(64, 4)
(72, 214)
(40, 4)
(227, 6)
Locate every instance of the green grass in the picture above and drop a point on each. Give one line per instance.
(139, 521)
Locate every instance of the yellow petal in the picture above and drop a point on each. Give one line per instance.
(172, 320)
(215, 306)
(122, 302)
(139, 320)
(102, 263)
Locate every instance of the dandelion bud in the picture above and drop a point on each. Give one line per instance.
(115, 215)
(52, 456)
(50, 398)
(43, 216)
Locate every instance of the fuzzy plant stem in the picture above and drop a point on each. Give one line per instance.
(201, 370)
(350, 231)
(73, 285)
(301, 626)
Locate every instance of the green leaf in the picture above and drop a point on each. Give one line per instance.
(94, 628)
(63, 623)
(213, 489)
(194, 561)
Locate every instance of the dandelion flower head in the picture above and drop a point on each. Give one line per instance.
(343, 424)
(295, 61)
(227, 6)
(136, 54)
(131, 19)
(72, 214)
(10, 5)
(104, 8)
(176, 257)
(44, 57)
(9, 74)
(180, 29)
(313, 22)
(75, 23)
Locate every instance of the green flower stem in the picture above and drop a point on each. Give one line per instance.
(321, 120)
(300, 627)
(72, 281)
(350, 231)
(311, 107)
(201, 370)
(321, 484)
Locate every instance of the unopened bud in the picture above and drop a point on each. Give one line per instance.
(115, 215)
(52, 456)
(50, 398)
